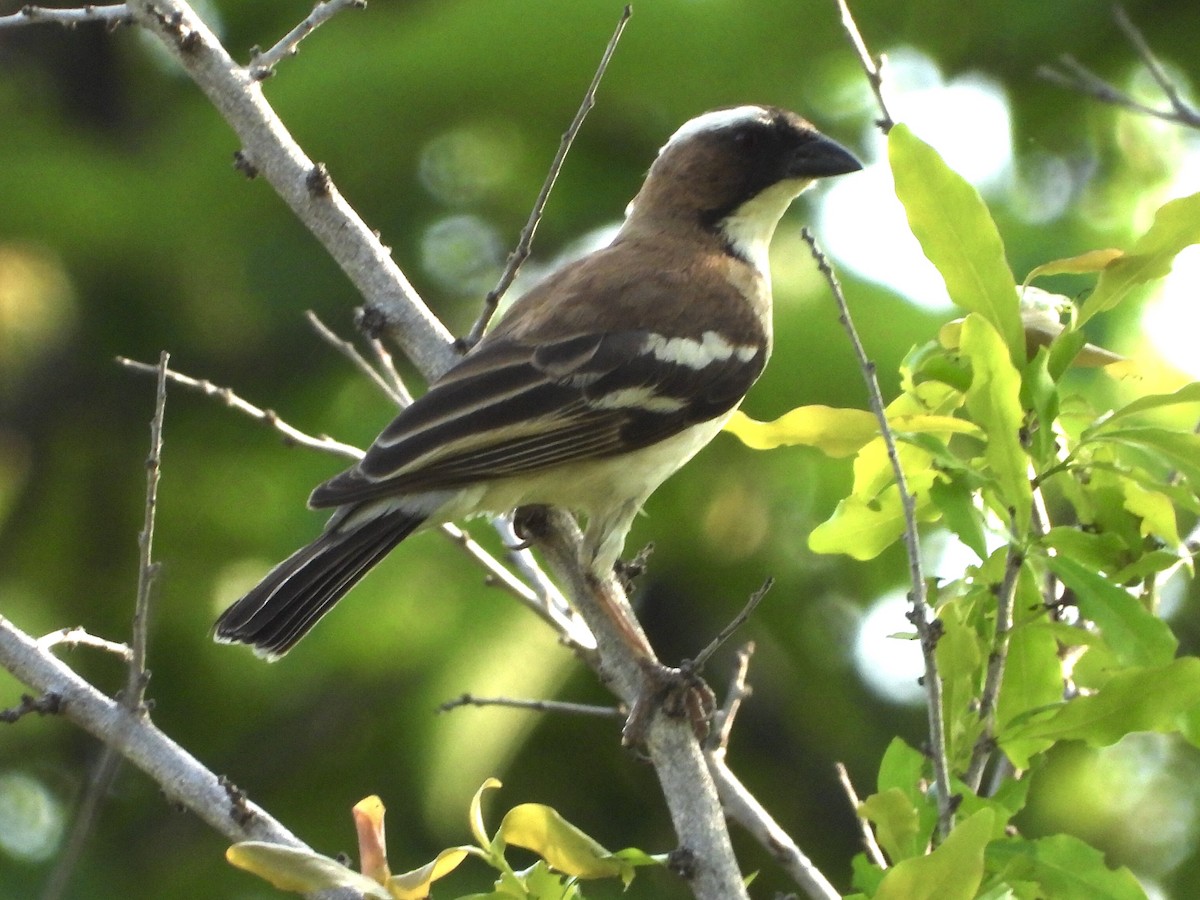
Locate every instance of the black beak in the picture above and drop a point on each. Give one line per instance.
(821, 157)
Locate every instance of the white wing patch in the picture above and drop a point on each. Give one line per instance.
(696, 354)
(642, 398)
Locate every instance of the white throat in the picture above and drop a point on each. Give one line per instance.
(750, 227)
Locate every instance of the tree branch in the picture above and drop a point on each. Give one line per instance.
(262, 65)
(112, 16)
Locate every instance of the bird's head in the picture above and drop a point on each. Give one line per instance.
(734, 171)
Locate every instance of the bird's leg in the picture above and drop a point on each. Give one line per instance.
(679, 693)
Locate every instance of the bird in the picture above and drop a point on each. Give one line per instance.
(595, 386)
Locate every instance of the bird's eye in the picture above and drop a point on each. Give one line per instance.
(746, 138)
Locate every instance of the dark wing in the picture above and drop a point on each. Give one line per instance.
(511, 408)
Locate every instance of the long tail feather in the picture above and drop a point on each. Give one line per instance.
(306, 585)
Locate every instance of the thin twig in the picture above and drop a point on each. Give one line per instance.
(348, 350)
(928, 631)
(549, 706)
(872, 66)
(265, 416)
(869, 843)
(387, 366)
(1075, 76)
(112, 16)
(738, 691)
(737, 622)
(521, 252)
(985, 744)
(48, 704)
(135, 689)
(78, 637)
(108, 764)
(262, 65)
(740, 806)
(543, 598)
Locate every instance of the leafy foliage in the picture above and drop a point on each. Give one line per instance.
(1073, 512)
(567, 856)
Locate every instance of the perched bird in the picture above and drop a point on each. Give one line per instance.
(598, 384)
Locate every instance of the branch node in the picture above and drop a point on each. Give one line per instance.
(317, 181)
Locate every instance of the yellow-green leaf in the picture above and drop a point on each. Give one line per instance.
(897, 823)
(1147, 699)
(415, 885)
(994, 401)
(475, 816)
(957, 233)
(299, 871)
(953, 871)
(1176, 225)
(1083, 264)
(541, 829)
(836, 432)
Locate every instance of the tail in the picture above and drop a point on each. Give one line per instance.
(301, 589)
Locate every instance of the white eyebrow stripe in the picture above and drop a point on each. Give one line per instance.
(716, 120)
(696, 354)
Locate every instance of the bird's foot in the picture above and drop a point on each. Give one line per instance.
(678, 693)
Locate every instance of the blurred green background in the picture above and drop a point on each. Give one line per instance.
(124, 229)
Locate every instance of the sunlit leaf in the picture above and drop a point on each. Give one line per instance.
(1064, 867)
(957, 233)
(1176, 449)
(994, 401)
(1176, 225)
(1033, 679)
(544, 831)
(864, 528)
(415, 885)
(1136, 636)
(475, 815)
(953, 871)
(897, 823)
(1155, 509)
(1132, 700)
(1083, 264)
(1189, 393)
(299, 871)
(836, 432)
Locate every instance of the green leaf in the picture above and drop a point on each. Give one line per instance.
(1137, 637)
(415, 885)
(836, 432)
(475, 815)
(1033, 679)
(953, 871)
(1189, 393)
(1175, 449)
(1083, 264)
(1065, 868)
(300, 871)
(956, 502)
(957, 233)
(1176, 225)
(1150, 699)
(544, 831)
(994, 401)
(897, 824)
(1155, 509)
(864, 528)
